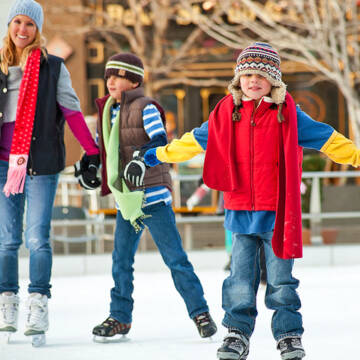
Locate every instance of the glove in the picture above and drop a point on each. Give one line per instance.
(86, 171)
(135, 170)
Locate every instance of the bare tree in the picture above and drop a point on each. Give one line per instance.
(151, 29)
(323, 34)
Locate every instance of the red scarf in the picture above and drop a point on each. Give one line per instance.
(221, 173)
(25, 114)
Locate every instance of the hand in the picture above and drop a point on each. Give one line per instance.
(86, 171)
(135, 170)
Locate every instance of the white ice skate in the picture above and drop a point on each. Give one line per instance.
(9, 306)
(37, 322)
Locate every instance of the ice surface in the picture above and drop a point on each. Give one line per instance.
(162, 331)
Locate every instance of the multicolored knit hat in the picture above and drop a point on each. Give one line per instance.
(259, 58)
(125, 65)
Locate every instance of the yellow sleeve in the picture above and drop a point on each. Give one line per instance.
(341, 150)
(179, 150)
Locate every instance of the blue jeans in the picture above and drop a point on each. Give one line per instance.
(39, 194)
(240, 288)
(163, 230)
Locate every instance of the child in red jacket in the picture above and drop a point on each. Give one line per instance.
(253, 142)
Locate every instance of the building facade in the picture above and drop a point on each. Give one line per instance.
(83, 39)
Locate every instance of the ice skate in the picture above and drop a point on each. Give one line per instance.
(9, 307)
(111, 330)
(205, 325)
(234, 347)
(291, 348)
(37, 322)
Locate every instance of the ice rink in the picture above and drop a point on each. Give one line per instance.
(161, 329)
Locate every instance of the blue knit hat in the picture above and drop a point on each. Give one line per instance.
(30, 8)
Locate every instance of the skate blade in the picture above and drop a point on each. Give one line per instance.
(38, 337)
(229, 356)
(296, 355)
(38, 340)
(5, 337)
(109, 340)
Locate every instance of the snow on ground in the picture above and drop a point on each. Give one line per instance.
(162, 331)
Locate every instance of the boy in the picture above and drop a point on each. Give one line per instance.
(253, 142)
(128, 120)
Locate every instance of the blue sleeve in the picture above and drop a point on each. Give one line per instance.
(151, 158)
(201, 134)
(154, 128)
(153, 124)
(312, 134)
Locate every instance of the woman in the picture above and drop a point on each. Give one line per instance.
(36, 97)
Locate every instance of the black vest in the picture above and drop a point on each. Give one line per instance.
(47, 149)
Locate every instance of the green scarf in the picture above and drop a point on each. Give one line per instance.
(129, 202)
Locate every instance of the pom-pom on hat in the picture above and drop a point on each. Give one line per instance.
(262, 59)
(125, 65)
(30, 8)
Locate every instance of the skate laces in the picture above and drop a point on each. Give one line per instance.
(289, 344)
(109, 322)
(236, 341)
(9, 308)
(202, 319)
(111, 327)
(113, 323)
(37, 310)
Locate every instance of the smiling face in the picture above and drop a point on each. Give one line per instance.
(116, 85)
(22, 31)
(255, 86)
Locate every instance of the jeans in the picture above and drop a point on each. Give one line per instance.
(162, 227)
(240, 288)
(39, 194)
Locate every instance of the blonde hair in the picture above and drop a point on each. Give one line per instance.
(9, 56)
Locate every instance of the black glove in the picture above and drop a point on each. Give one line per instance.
(135, 170)
(86, 171)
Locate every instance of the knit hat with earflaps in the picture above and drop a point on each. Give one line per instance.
(125, 65)
(259, 58)
(30, 8)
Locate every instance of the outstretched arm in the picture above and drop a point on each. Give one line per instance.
(341, 150)
(179, 150)
(322, 137)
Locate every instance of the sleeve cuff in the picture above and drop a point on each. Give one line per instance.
(150, 158)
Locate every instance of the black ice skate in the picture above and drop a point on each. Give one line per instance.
(108, 330)
(205, 325)
(291, 348)
(234, 347)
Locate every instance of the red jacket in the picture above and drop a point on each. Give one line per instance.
(256, 167)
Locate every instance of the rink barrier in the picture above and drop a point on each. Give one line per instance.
(204, 260)
(315, 215)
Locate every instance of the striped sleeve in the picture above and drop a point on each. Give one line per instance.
(153, 124)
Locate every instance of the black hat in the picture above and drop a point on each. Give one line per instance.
(125, 65)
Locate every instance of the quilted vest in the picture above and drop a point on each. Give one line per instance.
(132, 137)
